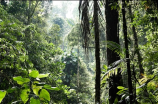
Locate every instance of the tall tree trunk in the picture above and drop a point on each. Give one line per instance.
(127, 54)
(136, 43)
(112, 35)
(97, 54)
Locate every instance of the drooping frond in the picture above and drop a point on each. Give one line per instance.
(113, 68)
(100, 15)
(88, 19)
(85, 27)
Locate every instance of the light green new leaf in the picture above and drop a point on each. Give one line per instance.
(34, 101)
(30, 64)
(51, 88)
(44, 94)
(22, 58)
(116, 71)
(2, 95)
(34, 73)
(113, 72)
(21, 80)
(105, 67)
(120, 92)
(120, 87)
(24, 95)
(42, 75)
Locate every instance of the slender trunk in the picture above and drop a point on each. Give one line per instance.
(78, 73)
(97, 54)
(112, 35)
(134, 86)
(127, 54)
(136, 44)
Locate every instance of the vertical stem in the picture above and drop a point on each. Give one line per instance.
(97, 54)
(136, 43)
(127, 54)
(78, 73)
(134, 94)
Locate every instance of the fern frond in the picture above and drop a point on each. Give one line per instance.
(110, 72)
(113, 68)
(116, 48)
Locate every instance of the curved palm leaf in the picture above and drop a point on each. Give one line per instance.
(113, 68)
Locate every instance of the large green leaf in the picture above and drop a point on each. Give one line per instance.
(36, 89)
(21, 80)
(2, 95)
(42, 75)
(44, 94)
(34, 73)
(34, 101)
(51, 88)
(24, 95)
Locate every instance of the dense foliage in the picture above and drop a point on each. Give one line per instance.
(30, 44)
(47, 58)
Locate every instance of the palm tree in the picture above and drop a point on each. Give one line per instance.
(112, 35)
(84, 10)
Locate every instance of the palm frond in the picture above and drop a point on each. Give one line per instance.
(85, 27)
(87, 15)
(113, 68)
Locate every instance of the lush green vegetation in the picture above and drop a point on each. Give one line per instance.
(109, 56)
